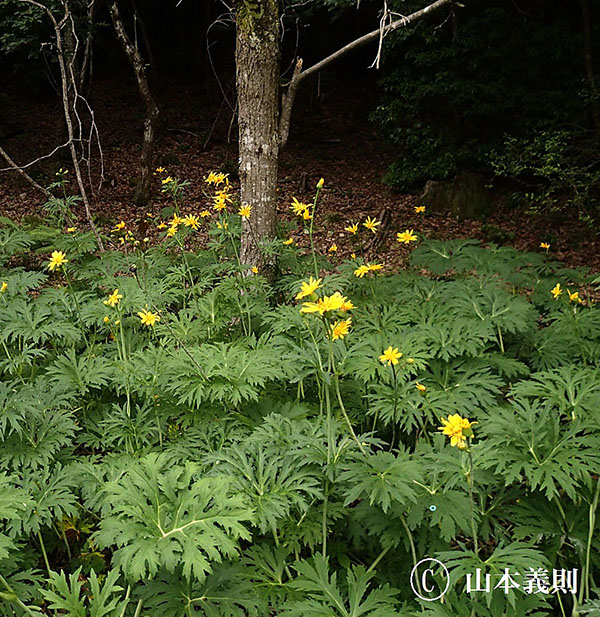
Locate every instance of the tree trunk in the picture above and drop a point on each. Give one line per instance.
(142, 191)
(257, 77)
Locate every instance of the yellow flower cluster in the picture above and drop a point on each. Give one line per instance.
(217, 178)
(573, 295)
(335, 302)
(458, 429)
(366, 268)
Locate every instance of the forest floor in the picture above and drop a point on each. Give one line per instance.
(331, 137)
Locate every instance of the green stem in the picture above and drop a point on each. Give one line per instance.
(470, 483)
(39, 535)
(15, 598)
(413, 552)
(310, 233)
(592, 523)
(379, 558)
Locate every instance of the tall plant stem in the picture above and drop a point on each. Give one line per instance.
(584, 592)
(472, 517)
(43, 547)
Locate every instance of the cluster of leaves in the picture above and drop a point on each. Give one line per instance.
(516, 101)
(232, 460)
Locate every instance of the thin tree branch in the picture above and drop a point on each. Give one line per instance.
(68, 81)
(24, 174)
(378, 33)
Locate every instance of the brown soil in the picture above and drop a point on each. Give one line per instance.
(330, 138)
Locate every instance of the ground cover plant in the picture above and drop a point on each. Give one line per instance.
(183, 435)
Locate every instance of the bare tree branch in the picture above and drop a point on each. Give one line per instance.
(299, 75)
(67, 82)
(24, 174)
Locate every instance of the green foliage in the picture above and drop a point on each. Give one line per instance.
(232, 459)
(499, 90)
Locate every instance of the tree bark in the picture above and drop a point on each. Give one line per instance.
(257, 78)
(142, 191)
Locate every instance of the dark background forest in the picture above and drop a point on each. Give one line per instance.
(504, 90)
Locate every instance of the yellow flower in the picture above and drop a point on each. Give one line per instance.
(161, 225)
(327, 303)
(175, 221)
(118, 227)
(254, 270)
(419, 209)
(458, 429)
(390, 355)
(353, 255)
(298, 208)
(320, 183)
(105, 319)
(3, 287)
(204, 214)
(573, 297)
(333, 248)
(58, 258)
(71, 230)
(171, 231)
(340, 328)
(289, 241)
(374, 267)
(544, 245)
(346, 305)
(245, 211)
(371, 224)
(216, 178)
(307, 215)
(308, 289)
(410, 360)
(113, 299)
(222, 196)
(220, 205)
(160, 170)
(361, 271)
(150, 215)
(557, 291)
(167, 180)
(352, 229)
(406, 237)
(223, 226)
(148, 318)
(191, 221)
(419, 386)
(146, 239)
(117, 322)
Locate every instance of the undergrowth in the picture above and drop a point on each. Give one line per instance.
(182, 437)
